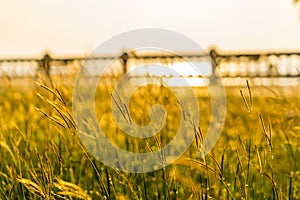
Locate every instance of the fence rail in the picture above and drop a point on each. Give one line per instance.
(262, 64)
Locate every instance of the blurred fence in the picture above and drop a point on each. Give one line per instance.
(230, 65)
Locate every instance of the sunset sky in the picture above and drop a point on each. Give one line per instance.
(29, 28)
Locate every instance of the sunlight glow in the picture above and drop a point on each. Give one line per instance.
(181, 73)
(184, 69)
(191, 69)
(193, 81)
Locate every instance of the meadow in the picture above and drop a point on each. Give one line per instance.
(256, 157)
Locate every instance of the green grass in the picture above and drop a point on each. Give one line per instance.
(256, 157)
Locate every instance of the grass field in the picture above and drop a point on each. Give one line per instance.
(256, 157)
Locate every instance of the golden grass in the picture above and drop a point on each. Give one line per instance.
(256, 157)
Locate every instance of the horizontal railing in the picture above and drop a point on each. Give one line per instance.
(230, 64)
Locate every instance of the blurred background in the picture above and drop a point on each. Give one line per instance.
(75, 28)
(251, 38)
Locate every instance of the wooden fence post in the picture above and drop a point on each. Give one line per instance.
(124, 57)
(213, 55)
(46, 63)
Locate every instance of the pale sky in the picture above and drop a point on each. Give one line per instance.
(30, 27)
